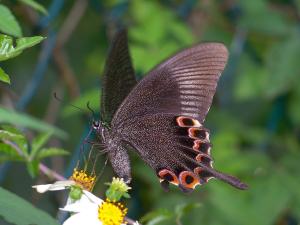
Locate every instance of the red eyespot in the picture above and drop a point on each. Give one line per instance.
(183, 121)
(197, 133)
(168, 176)
(200, 146)
(188, 179)
(205, 159)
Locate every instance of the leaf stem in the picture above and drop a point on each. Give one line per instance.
(50, 173)
(16, 147)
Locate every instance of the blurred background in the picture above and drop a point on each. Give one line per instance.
(254, 120)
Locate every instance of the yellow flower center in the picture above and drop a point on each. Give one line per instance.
(111, 213)
(84, 180)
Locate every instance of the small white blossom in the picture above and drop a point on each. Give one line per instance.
(58, 185)
(85, 210)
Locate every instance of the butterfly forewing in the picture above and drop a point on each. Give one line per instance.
(184, 85)
(118, 78)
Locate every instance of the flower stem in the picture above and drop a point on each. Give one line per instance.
(50, 173)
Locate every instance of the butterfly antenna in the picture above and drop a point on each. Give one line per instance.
(89, 108)
(74, 106)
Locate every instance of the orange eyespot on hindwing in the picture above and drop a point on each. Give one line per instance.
(200, 146)
(188, 179)
(203, 174)
(197, 133)
(169, 176)
(183, 121)
(205, 159)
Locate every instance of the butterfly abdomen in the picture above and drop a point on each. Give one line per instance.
(119, 158)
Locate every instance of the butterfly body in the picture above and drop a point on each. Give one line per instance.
(161, 117)
(115, 147)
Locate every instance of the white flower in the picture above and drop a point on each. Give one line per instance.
(85, 210)
(88, 209)
(91, 209)
(58, 185)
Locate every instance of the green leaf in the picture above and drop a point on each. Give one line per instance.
(237, 206)
(294, 106)
(4, 134)
(48, 152)
(157, 217)
(251, 79)
(7, 150)
(6, 158)
(8, 153)
(283, 66)
(35, 5)
(185, 208)
(16, 210)
(7, 49)
(4, 77)
(27, 42)
(20, 119)
(259, 17)
(38, 142)
(17, 139)
(8, 23)
(33, 168)
(11, 129)
(154, 40)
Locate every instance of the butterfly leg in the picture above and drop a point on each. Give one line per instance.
(120, 162)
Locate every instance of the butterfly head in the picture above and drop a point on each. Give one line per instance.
(101, 128)
(99, 125)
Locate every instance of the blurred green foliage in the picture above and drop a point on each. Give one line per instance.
(18, 211)
(14, 146)
(9, 25)
(255, 132)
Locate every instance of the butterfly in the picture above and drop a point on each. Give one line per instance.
(161, 117)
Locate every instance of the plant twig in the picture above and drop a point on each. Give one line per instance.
(59, 56)
(72, 20)
(50, 173)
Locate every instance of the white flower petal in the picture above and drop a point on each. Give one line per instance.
(92, 197)
(86, 218)
(58, 185)
(81, 205)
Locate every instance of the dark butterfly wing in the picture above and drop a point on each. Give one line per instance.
(177, 148)
(184, 85)
(162, 116)
(118, 78)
